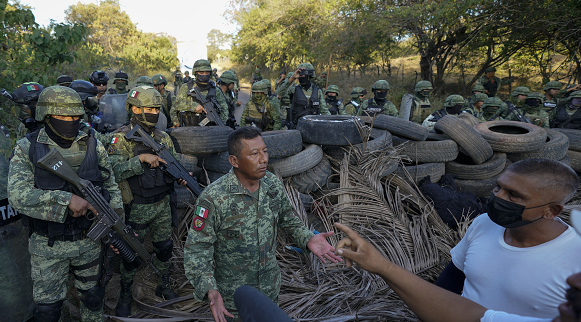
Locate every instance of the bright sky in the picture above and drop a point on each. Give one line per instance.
(188, 21)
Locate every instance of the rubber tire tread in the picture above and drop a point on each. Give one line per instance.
(566, 160)
(466, 137)
(574, 138)
(329, 130)
(314, 178)
(217, 162)
(200, 139)
(189, 162)
(555, 148)
(420, 171)
(298, 163)
(400, 127)
(379, 141)
(486, 170)
(183, 195)
(282, 143)
(512, 143)
(428, 151)
(479, 188)
(575, 160)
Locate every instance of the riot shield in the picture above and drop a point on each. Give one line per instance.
(162, 122)
(405, 110)
(112, 108)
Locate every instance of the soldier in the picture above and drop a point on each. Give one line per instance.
(281, 78)
(453, 105)
(148, 202)
(88, 94)
(357, 96)
(178, 80)
(187, 77)
(274, 101)
(551, 99)
(531, 110)
(58, 219)
(25, 97)
(489, 110)
(64, 80)
(144, 80)
(121, 81)
(475, 90)
(167, 100)
(335, 105)
(321, 81)
(232, 240)
(564, 93)
(567, 114)
(227, 81)
(515, 101)
(215, 74)
(421, 102)
(305, 98)
(259, 110)
(492, 83)
(476, 108)
(99, 79)
(256, 76)
(379, 104)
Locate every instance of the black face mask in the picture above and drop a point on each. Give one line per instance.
(380, 95)
(305, 81)
(532, 103)
(331, 98)
(456, 109)
(62, 132)
(508, 214)
(202, 79)
(575, 103)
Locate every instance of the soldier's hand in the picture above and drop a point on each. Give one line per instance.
(115, 250)
(238, 103)
(217, 306)
(183, 182)
(151, 159)
(79, 206)
(200, 109)
(296, 74)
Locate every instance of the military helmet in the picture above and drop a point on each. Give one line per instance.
(64, 80)
(453, 100)
(187, 72)
(144, 80)
(520, 90)
(492, 101)
(478, 88)
(159, 79)
(380, 84)
(121, 76)
(552, 85)
(84, 88)
(480, 97)
(27, 93)
(423, 85)
(535, 95)
(332, 89)
(289, 74)
(58, 100)
(308, 66)
(357, 91)
(324, 73)
(202, 65)
(143, 96)
(99, 77)
(215, 70)
(490, 69)
(228, 77)
(575, 94)
(259, 87)
(266, 81)
(257, 70)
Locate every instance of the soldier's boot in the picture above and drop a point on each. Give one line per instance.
(48, 312)
(123, 308)
(163, 289)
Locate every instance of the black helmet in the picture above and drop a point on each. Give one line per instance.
(99, 77)
(64, 80)
(27, 93)
(88, 92)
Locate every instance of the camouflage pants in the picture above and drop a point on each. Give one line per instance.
(50, 270)
(158, 218)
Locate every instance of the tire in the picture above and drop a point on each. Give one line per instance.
(420, 171)
(555, 148)
(189, 162)
(402, 128)
(307, 201)
(575, 160)
(282, 143)
(566, 160)
(479, 188)
(428, 151)
(298, 163)
(183, 196)
(574, 138)
(512, 136)
(380, 140)
(486, 170)
(432, 136)
(469, 119)
(200, 139)
(313, 178)
(213, 176)
(217, 162)
(466, 137)
(329, 129)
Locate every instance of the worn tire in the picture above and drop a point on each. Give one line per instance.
(575, 160)
(217, 162)
(298, 163)
(428, 151)
(307, 201)
(314, 178)
(183, 195)
(469, 119)
(466, 137)
(200, 139)
(213, 176)
(555, 148)
(479, 188)
(574, 138)
(512, 136)
(378, 141)
(566, 160)
(189, 162)
(329, 129)
(420, 171)
(282, 143)
(402, 128)
(482, 171)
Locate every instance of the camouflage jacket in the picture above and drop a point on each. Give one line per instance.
(284, 97)
(550, 104)
(340, 107)
(352, 106)
(272, 113)
(321, 82)
(289, 90)
(164, 104)
(51, 205)
(232, 240)
(185, 103)
(538, 118)
(388, 108)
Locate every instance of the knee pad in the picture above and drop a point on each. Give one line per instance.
(93, 298)
(48, 312)
(163, 249)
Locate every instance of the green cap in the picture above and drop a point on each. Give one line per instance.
(552, 85)
(332, 89)
(259, 87)
(520, 90)
(202, 65)
(380, 84)
(478, 88)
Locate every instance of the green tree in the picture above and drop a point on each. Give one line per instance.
(218, 44)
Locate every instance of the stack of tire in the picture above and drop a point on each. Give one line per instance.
(574, 152)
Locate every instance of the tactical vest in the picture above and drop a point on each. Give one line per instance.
(373, 109)
(564, 120)
(333, 106)
(302, 106)
(89, 169)
(549, 105)
(229, 95)
(153, 184)
(355, 104)
(438, 115)
(190, 118)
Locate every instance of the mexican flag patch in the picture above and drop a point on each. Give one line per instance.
(134, 94)
(31, 88)
(202, 212)
(113, 140)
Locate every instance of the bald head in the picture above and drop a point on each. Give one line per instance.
(553, 178)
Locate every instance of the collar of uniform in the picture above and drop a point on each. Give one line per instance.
(43, 137)
(235, 187)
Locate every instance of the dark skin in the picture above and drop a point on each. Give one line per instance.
(551, 93)
(160, 88)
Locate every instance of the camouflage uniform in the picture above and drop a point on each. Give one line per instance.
(566, 115)
(336, 106)
(256, 76)
(51, 262)
(121, 82)
(261, 110)
(535, 114)
(549, 104)
(284, 97)
(353, 105)
(374, 106)
(492, 85)
(479, 97)
(178, 80)
(451, 102)
(25, 97)
(232, 241)
(321, 81)
(489, 110)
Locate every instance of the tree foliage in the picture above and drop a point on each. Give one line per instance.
(218, 44)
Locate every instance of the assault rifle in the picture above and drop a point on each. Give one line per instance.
(519, 116)
(211, 114)
(173, 167)
(109, 227)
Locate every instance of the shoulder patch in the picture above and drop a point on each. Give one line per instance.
(198, 223)
(112, 149)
